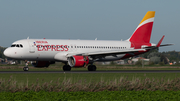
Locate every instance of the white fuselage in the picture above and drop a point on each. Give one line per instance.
(57, 50)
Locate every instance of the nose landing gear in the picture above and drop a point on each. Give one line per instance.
(26, 67)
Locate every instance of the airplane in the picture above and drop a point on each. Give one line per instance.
(81, 53)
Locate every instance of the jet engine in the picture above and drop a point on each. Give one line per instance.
(41, 63)
(78, 61)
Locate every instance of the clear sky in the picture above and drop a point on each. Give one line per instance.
(87, 19)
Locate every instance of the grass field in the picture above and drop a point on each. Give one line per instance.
(92, 96)
(99, 81)
(91, 82)
(88, 77)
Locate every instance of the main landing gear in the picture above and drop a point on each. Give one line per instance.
(91, 68)
(67, 68)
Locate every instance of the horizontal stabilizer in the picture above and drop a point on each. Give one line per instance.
(158, 45)
(154, 47)
(166, 45)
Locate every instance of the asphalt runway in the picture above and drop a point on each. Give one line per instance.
(103, 71)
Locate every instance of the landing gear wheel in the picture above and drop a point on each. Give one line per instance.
(67, 68)
(91, 68)
(25, 68)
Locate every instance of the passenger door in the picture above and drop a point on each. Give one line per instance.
(32, 46)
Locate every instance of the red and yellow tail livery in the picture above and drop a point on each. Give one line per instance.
(142, 34)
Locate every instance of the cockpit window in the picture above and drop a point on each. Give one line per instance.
(13, 45)
(21, 45)
(17, 45)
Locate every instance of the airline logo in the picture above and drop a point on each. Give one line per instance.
(41, 42)
(34, 43)
(142, 33)
(44, 46)
(149, 17)
(52, 48)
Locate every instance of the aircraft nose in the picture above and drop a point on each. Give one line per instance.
(7, 52)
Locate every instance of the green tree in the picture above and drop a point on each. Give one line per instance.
(1, 52)
(155, 59)
(164, 59)
(145, 55)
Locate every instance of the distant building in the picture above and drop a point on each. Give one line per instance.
(105, 63)
(1, 60)
(134, 60)
(7, 61)
(120, 62)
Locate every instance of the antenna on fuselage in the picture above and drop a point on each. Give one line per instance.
(96, 39)
(28, 37)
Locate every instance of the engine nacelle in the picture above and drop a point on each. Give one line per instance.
(78, 61)
(41, 63)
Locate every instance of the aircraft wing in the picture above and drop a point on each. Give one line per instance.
(110, 52)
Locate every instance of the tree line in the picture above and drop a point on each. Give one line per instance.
(1, 52)
(162, 57)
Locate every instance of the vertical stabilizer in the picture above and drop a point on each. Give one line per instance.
(142, 34)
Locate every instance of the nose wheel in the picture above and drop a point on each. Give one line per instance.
(25, 68)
